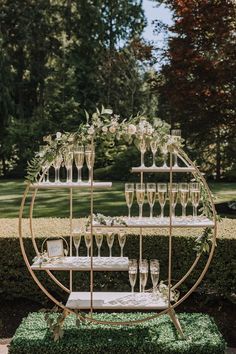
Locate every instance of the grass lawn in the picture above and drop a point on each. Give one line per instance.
(51, 203)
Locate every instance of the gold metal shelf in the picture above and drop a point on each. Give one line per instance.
(103, 264)
(117, 301)
(162, 169)
(81, 185)
(158, 222)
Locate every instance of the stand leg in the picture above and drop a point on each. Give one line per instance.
(176, 322)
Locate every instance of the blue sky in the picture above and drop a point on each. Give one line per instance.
(152, 12)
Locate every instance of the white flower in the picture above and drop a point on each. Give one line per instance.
(104, 129)
(149, 130)
(91, 130)
(131, 129)
(58, 135)
(112, 129)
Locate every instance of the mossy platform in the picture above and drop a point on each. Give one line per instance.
(156, 336)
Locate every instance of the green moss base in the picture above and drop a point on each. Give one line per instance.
(156, 336)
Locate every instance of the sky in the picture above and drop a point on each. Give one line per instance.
(152, 12)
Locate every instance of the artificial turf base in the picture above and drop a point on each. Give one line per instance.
(156, 336)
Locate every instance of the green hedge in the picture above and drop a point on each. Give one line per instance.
(157, 336)
(220, 278)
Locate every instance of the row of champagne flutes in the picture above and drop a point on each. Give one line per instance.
(78, 155)
(99, 235)
(143, 268)
(153, 145)
(181, 191)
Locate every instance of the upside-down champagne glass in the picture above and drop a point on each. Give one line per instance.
(90, 157)
(140, 195)
(88, 241)
(162, 192)
(110, 241)
(173, 196)
(143, 273)
(164, 150)
(153, 147)
(133, 270)
(151, 196)
(68, 162)
(77, 240)
(79, 160)
(155, 272)
(176, 134)
(184, 196)
(142, 148)
(57, 164)
(121, 239)
(195, 196)
(129, 196)
(99, 239)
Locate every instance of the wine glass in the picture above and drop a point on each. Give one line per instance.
(140, 195)
(195, 196)
(173, 196)
(45, 165)
(162, 191)
(99, 239)
(57, 164)
(90, 157)
(153, 146)
(110, 241)
(164, 150)
(151, 196)
(121, 239)
(142, 147)
(133, 270)
(129, 195)
(176, 134)
(88, 241)
(79, 160)
(184, 196)
(155, 272)
(77, 240)
(68, 162)
(143, 273)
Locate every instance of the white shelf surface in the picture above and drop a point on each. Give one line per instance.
(146, 222)
(45, 185)
(117, 301)
(83, 264)
(162, 169)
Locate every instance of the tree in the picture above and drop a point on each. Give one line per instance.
(198, 86)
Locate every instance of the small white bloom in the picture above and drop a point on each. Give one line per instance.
(104, 129)
(91, 130)
(131, 129)
(58, 135)
(112, 129)
(149, 130)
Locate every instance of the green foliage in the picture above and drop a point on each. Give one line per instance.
(157, 336)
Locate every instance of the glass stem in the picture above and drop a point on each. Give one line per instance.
(151, 211)
(47, 176)
(184, 211)
(173, 211)
(68, 175)
(121, 252)
(87, 252)
(79, 175)
(140, 211)
(89, 180)
(110, 252)
(162, 211)
(153, 159)
(129, 216)
(165, 161)
(56, 175)
(176, 160)
(142, 159)
(77, 252)
(99, 251)
(132, 289)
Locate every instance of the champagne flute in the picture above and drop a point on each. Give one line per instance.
(162, 191)
(151, 196)
(133, 270)
(176, 134)
(57, 164)
(68, 162)
(143, 273)
(195, 196)
(140, 195)
(184, 196)
(153, 146)
(121, 239)
(110, 241)
(164, 150)
(45, 164)
(88, 241)
(174, 196)
(155, 272)
(129, 195)
(142, 148)
(77, 240)
(79, 160)
(99, 239)
(90, 157)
